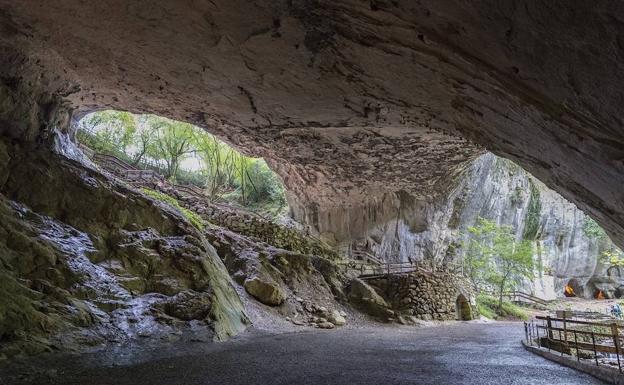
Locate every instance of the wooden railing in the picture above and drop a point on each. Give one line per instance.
(371, 270)
(142, 176)
(111, 163)
(365, 256)
(520, 296)
(190, 190)
(579, 338)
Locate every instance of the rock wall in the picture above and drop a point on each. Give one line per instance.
(427, 296)
(85, 260)
(497, 189)
(252, 225)
(348, 100)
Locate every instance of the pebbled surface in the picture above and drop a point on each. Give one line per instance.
(468, 354)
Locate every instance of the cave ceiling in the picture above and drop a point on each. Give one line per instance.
(346, 99)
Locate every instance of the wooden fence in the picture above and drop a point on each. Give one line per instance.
(584, 340)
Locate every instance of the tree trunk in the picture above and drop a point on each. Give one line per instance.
(500, 296)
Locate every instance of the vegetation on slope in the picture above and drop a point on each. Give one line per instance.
(495, 259)
(488, 307)
(191, 216)
(185, 154)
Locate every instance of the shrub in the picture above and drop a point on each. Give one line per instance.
(488, 307)
(191, 216)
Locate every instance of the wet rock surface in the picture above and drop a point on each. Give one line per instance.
(468, 353)
(87, 261)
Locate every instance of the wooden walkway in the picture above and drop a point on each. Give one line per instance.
(139, 177)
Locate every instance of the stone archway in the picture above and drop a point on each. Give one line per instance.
(462, 306)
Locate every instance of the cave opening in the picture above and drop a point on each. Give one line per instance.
(463, 309)
(369, 114)
(153, 152)
(573, 289)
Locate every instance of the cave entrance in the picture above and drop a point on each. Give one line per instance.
(462, 306)
(179, 159)
(573, 289)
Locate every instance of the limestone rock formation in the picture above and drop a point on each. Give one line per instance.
(367, 300)
(347, 100)
(269, 293)
(86, 261)
(498, 189)
(336, 318)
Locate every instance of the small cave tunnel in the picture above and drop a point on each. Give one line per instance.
(462, 306)
(573, 289)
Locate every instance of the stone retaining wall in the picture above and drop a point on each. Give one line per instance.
(253, 225)
(426, 296)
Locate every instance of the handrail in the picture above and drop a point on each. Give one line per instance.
(105, 158)
(527, 296)
(564, 338)
(367, 255)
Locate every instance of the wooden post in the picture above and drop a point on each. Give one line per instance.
(565, 332)
(616, 342)
(578, 358)
(594, 343)
(549, 327)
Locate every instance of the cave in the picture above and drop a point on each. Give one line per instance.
(464, 312)
(573, 289)
(365, 110)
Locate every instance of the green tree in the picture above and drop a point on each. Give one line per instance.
(112, 131)
(495, 256)
(174, 141)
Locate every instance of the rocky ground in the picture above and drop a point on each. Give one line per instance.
(463, 353)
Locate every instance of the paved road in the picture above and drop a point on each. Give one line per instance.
(466, 353)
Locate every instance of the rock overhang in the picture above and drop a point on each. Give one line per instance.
(347, 100)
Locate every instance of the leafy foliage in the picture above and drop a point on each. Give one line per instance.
(612, 257)
(488, 306)
(593, 230)
(191, 216)
(495, 258)
(163, 145)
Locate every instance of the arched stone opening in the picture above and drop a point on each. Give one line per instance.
(573, 289)
(462, 306)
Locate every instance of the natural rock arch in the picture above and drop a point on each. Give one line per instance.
(574, 289)
(464, 311)
(351, 103)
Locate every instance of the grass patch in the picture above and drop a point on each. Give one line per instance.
(191, 216)
(488, 307)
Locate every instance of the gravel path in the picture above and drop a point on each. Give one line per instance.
(468, 353)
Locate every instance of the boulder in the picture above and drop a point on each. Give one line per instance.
(325, 325)
(336, 318)
(366, 299)
(269, 293)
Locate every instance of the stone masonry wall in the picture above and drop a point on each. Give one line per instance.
(423, 295)
(252, 225)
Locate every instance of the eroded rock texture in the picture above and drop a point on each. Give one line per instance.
(348, 100)
(85, 260)
(568, 245)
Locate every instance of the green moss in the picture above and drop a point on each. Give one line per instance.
(191, 216)
(532, 218)
(488, 307)
(593, 230)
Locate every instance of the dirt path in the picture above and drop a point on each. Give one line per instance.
(468, 353)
